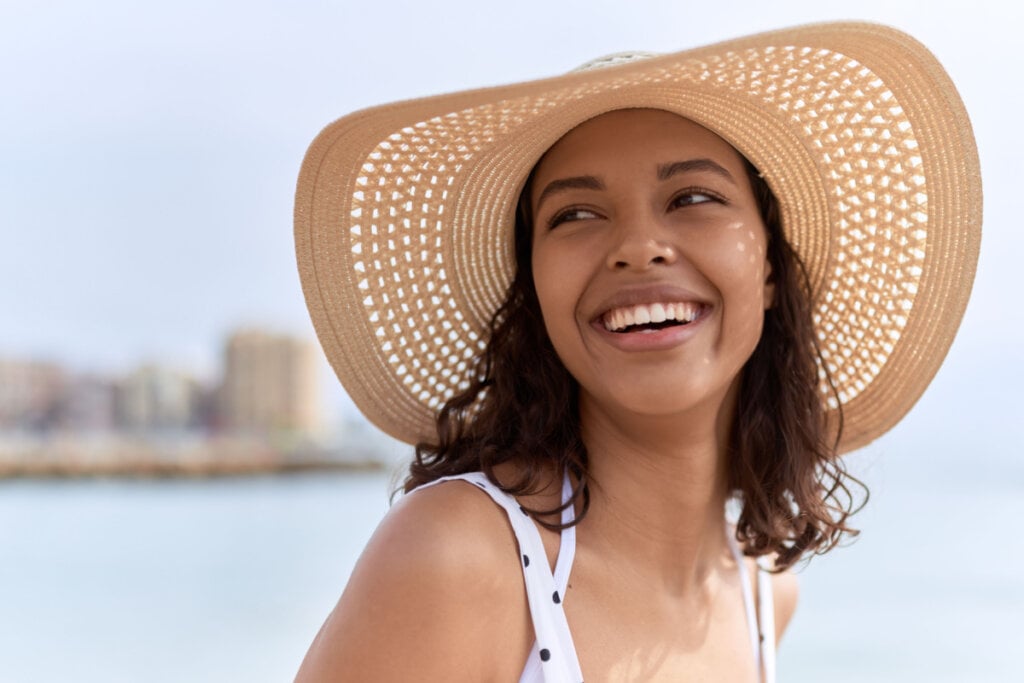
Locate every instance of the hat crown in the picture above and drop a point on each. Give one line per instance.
(615, 59)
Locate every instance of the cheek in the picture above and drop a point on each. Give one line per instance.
(553, 284)
(741, 257)
(542, 283)
(741, 263)
(560, 279)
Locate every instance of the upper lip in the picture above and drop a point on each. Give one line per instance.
(646, 294)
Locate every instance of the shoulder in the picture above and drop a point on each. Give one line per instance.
(438, 584)
(451, 526)
(785, 593)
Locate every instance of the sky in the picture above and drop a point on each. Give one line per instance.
(148, 152)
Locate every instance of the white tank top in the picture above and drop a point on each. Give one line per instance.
(553, 657)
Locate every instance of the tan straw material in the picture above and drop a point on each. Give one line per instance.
(404, 212)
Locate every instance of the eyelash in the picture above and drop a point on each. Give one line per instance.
(564, 215)
(697, 191)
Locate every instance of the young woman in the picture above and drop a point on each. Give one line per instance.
(713, 288)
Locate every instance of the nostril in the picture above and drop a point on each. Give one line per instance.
(641, 253)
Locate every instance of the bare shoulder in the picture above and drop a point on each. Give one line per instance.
(438, 584)
(785, 593)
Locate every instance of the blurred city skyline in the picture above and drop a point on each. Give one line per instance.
(264, 379)
(201, 363)
(264, 411)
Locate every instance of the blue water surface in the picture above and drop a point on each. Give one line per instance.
(229, 580)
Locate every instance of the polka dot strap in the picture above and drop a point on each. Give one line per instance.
(553, 657)
(760, 618)
(766, 618)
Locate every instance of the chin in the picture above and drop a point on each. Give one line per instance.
(658, 399)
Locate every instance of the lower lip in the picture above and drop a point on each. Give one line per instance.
(651, 340)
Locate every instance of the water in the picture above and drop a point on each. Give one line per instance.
(229, 580)
(933, 590)
(175, 580)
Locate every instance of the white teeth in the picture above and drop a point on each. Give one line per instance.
(620, 318)
(658, 314)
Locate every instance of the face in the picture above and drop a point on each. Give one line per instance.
(649, 261)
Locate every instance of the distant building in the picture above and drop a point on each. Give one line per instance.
(30, 394)
(155, 398)
(271, 384)
(87, 405)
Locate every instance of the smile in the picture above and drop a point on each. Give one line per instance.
(650, 317)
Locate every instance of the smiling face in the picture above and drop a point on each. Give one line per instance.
(649, 261)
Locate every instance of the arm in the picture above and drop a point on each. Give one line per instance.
(435, 591)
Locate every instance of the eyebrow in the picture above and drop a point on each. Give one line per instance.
(583, 182)
(666, 171)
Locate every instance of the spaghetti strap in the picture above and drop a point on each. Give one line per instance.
(567, 546)
(552, 658)
(760, 614)
(766, 622)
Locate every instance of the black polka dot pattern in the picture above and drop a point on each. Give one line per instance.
(544, 586)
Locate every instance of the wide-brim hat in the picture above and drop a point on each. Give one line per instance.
(404, 212)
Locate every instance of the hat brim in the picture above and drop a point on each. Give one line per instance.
(404, 212)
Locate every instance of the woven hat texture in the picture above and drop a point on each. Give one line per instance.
(404, 212)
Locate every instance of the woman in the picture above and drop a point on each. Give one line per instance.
(661, 348)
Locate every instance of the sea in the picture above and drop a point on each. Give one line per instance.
(112, 581)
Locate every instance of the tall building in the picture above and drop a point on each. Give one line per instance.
(158, 398)
(270, 384)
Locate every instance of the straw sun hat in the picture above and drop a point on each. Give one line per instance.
(404, 212)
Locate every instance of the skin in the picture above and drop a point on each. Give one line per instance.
(654, 594)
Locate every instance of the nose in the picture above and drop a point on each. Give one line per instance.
(640, 249)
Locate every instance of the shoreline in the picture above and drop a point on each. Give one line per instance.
(183, 456)
(177, 469)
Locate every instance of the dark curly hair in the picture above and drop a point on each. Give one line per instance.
(521, 407)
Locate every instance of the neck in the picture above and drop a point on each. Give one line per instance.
(658, 492)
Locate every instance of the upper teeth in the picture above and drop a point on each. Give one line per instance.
(620, 318)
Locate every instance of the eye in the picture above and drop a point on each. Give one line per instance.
(571, 215)
(695, 195)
